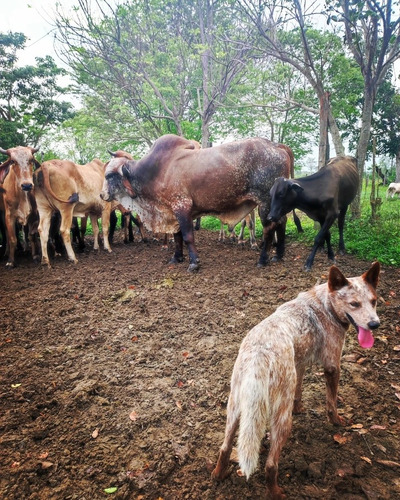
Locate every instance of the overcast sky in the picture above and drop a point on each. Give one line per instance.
(32, 18)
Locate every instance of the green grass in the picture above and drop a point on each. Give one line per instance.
(369, 240)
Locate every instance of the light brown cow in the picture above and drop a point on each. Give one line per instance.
(16, 194)
(73, 190)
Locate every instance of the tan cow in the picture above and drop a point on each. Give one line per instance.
(16, 194)
(73, 190)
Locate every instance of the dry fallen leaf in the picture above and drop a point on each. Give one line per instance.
(46, 465)
(378, 427)
(366, 459)
(43, 455)
(389, 463)
(133, 415)
(341, 439)
(95, 433)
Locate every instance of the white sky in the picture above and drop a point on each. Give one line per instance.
(32, 17)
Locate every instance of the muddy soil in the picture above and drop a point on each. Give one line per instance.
(115, 377)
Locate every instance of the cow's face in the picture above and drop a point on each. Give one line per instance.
(116, 184)
(22, 161)
(283, 198)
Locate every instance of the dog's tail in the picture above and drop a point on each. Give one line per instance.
(254, 396)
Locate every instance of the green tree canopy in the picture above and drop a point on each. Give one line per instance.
(30, 96)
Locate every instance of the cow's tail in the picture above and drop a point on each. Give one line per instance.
(253, 401)
(43, 179)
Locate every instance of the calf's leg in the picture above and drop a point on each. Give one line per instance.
(318, 241)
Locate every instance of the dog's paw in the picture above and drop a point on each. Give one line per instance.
(337, 420)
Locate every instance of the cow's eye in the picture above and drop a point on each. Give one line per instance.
(111, 175)
(373, 302)
(355, 304)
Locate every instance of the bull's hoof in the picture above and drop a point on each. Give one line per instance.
(10, 265)
(193, 267)
(176, 260)
(261, 264)
(275, 258)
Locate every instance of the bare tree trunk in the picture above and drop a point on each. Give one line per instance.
(398, 166)
(323, 154)
(362, 147)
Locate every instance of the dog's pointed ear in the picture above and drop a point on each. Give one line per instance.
(336, 279)
(372, 275)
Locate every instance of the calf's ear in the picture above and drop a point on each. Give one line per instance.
(336, 279)
(372, 275)
(296, 187)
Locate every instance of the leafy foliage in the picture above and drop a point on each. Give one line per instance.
(29, 96)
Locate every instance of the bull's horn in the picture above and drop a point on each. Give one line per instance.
(3, 151)
(111, 153)
(35, 150)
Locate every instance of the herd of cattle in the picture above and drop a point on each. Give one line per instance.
(176, 182)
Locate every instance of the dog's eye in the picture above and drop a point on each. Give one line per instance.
(373, 302)
(355, 304)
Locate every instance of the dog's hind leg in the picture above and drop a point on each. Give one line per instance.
(281, 425)
(232, 421)
(298, 405)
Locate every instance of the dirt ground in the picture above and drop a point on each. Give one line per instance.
(115, 377)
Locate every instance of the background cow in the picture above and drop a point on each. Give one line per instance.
(177, 181)
(17, 202)
(323, 196)
(73, 190)
(394, 188)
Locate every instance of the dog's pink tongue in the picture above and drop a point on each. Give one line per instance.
(365, 338)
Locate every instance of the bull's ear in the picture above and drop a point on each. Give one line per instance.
(296, 187)
(372, 275)
(336, 279)
(4, 169)
(126, 172)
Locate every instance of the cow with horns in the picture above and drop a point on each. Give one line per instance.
(178, 181)
(17, 202)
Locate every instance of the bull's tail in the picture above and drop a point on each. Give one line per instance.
(253, 400)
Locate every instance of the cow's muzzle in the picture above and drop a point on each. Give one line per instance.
(272, 218)
(27, 186)
(105, 196)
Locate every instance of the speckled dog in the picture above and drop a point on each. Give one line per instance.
(266, 383)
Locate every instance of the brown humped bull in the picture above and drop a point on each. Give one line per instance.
(178, 181)
(16, 194)
(73, 190)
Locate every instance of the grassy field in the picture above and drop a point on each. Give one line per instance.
(369, 239)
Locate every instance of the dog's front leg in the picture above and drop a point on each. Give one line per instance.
(332, 374)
